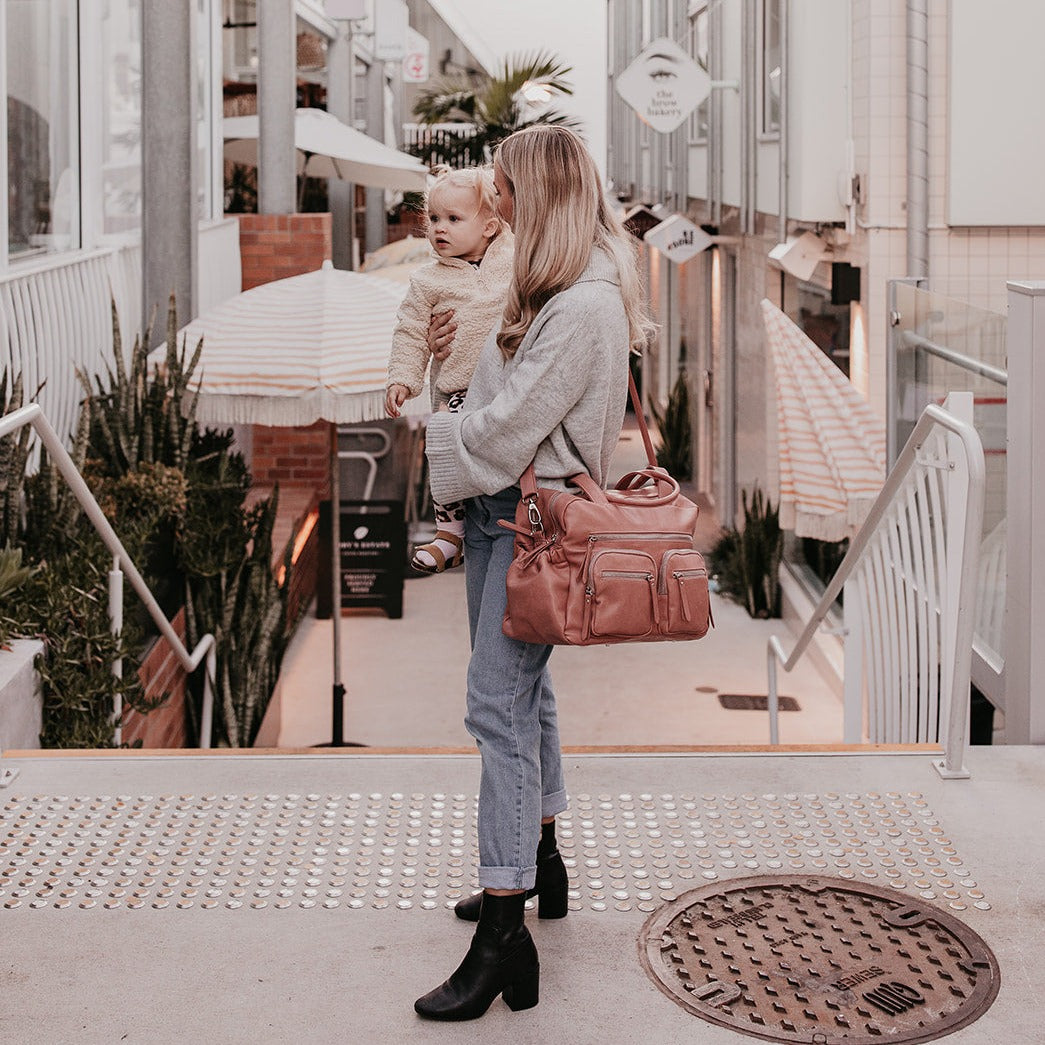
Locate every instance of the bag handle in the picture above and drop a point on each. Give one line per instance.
(636, 480)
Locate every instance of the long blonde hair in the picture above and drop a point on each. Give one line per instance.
(560, 213)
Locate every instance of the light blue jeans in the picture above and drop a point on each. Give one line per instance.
(511, 709)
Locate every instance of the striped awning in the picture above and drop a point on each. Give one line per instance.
(308, 348)
(831, 444)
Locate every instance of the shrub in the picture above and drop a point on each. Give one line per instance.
(177, 498)
(675, 452)
(747, 562)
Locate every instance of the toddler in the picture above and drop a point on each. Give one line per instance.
(470, 276)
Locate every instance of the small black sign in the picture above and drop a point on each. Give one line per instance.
(372, 555)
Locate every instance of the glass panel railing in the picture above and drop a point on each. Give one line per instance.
(940, 345)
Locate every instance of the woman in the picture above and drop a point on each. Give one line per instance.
(550, 387)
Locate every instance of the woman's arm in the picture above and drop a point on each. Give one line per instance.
(486, 450)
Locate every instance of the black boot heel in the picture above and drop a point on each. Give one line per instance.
(501, 960)
(524, 992)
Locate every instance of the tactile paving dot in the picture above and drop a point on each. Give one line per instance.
(343, 852)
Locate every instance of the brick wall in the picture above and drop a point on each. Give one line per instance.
(160, 672)
(292, 456)
(275, 246)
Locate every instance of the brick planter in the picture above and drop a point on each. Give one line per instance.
(160, 672)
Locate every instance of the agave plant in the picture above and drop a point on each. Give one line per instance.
(495, 106)
(747, 561)
(675, 452)
(14, 453)
(141, 418)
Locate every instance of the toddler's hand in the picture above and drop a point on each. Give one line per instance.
(395, 397)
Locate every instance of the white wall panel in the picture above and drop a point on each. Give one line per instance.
(997, 83)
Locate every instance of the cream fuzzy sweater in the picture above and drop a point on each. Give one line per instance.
(477, 296)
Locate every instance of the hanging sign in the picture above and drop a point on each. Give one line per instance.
(415, 64)
(663, 85)
(678, 239)
(391, 21)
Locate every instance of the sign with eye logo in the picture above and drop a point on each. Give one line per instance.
(663, 85)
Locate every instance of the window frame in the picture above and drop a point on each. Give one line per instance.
(75, 109)
(768, 132)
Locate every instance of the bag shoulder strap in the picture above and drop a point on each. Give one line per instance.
(528, 480)
(636, 403)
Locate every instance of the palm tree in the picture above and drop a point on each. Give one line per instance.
(495, 106)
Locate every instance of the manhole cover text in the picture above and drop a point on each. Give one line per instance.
(824, 960)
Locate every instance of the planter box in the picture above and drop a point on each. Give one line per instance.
(21, 701)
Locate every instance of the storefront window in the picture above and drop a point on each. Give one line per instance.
(121, 117)
(771, 63)
(42, 160)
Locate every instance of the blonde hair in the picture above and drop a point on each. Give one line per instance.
(560, 213)
(478, 179)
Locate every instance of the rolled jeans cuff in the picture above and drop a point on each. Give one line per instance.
(553, 805)
(507, 877)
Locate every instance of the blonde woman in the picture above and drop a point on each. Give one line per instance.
(549, 387)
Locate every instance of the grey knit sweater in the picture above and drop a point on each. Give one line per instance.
(559, 399)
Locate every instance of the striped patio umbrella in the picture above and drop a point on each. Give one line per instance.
(831, 445)
(298, 350)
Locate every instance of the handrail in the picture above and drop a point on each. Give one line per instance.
(33, 415)
(992, 373)
(931, 416)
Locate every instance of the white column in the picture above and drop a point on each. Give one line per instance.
(340, 103)
(169, 217)
(277, 98)
(376, 217)
(1025, 508)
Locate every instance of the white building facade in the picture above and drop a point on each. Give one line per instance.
(894, 132)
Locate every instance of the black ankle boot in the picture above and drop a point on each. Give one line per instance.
(550, 887)
(501, 960)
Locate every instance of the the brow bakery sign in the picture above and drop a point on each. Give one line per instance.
(663, 85)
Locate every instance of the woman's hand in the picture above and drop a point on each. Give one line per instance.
(441, 330)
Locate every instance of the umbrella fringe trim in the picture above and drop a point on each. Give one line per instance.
(349, 408)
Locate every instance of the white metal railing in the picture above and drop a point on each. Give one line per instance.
(56, 317)
(33, 415)
(909, 581)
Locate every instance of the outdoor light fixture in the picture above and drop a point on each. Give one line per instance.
(800, 255)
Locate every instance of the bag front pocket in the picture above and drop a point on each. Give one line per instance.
(621, 595)
(686, 583)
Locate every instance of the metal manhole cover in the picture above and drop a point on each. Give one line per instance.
(823, 960)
